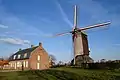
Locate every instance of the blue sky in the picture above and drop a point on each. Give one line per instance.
(26, 22)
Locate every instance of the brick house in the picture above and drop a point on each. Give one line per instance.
(34, 57)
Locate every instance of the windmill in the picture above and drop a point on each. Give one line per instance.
(80, 42)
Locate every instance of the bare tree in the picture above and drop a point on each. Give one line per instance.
(103, 60)
(52, 59)
(60, 63)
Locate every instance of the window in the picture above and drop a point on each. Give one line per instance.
(38, 58)
(19, 56)
(19, 64)
(14, 57)
(11, 64)
(26, 63)
(15, 65)
(25, 55)
(38, 65)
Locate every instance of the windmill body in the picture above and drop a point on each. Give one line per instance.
(80, 44)
(81, 48)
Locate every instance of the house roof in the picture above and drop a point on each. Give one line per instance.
(22, 54)
(3, 62)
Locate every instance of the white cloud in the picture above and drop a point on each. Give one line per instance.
(35, 32)
(65, 18)
(15, 41)
(46, 20)
(117, 44)
(3, 26)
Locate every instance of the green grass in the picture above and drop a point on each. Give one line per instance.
(61, 74)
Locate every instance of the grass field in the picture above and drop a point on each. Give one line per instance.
(61, 74)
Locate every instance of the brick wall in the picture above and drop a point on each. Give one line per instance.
(43, 63)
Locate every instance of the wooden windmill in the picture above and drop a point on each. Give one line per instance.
(80, 42)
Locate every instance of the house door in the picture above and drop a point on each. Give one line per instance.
(38, 65)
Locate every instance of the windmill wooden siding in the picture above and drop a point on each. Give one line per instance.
(81, 44)
(78, 46)
(32, 58)
(85, 44)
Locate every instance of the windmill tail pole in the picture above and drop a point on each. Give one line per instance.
(74, 60)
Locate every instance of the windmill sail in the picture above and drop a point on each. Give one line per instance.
(95, 26)
(75, 17)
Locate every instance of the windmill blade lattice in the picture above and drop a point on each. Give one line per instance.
(95, 26)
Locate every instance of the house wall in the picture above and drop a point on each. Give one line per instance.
(17, 64)
(43, 63)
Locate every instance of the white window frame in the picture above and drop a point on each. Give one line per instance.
(15, 65)
(38, 57)
(19, 56)
(14, 57)
(25, 55)
(11, 64)
(38, 65)
(19, 64)
(26, 63)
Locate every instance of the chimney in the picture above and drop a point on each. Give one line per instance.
(40, 44)
(20, 49)
(32, 46)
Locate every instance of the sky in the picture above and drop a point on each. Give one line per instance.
(28, 22)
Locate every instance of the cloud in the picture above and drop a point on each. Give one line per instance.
(117, 44)
(65, 18)
(40, 34)
(46, 20)
(15, 41)
(35, 32)
(3, 26)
